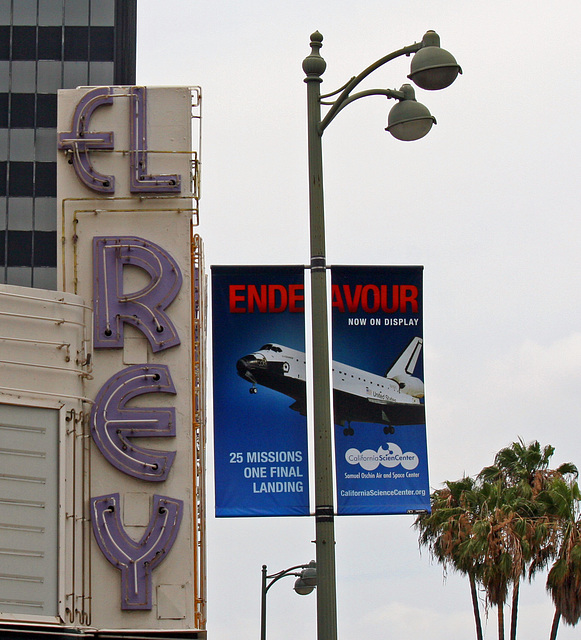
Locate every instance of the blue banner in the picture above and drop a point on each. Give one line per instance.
(260, 426)
(378, 390)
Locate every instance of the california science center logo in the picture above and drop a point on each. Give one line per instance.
(390, 457)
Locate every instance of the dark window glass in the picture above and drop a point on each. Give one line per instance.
(23, 43)
(102, 44)
(22, 110)
(2, 247)
(44, 253)
(45, 180)
(50, 43)
(3, 110)
(4, 42)
(20, 181)
(3, 171)
(76, 43)
(19, 248)
(46, 110)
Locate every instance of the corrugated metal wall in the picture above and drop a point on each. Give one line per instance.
(28, 509)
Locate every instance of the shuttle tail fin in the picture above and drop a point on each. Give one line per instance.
(406, 362)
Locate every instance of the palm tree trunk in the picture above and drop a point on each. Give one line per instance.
(475, 607)
(556, 620)
(514, 609)
(501, 621)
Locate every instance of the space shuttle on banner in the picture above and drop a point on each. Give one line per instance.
(395, 399)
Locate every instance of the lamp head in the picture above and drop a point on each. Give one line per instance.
(307, 581)
(432, 67)
(408, 119)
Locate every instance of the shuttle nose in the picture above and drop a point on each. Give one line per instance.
(243, 365)
(246, 365)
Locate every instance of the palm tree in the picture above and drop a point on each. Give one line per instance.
(564, 579)
(446, 530)
(496, 544)
(478, 529)
(524, 471)
(515, 515)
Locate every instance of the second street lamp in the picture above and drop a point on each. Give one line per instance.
(431, 68)
(306, 581)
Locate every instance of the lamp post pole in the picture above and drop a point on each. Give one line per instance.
(314, 66)
(432, 68)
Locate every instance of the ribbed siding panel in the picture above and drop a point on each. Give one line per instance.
(28, 510)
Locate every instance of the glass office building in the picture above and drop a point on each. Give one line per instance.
(47, 45)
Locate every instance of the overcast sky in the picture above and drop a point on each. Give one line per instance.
(487, 202)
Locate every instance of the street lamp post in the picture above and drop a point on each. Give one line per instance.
(431, 68)
(304, 584)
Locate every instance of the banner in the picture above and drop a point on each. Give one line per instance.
(260, 426)
(378, 390)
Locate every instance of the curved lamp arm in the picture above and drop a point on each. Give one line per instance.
(390, 93)
(275, 577)
(291, 571)
(344, 98)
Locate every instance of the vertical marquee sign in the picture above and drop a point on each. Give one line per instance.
(126, 206)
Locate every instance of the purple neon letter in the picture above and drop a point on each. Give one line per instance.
(79, 141)
(141, 180)
(113, 424)
(136, 560)
(144, 309)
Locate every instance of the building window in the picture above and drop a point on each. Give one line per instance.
(50, 43)
(23, 43)
(22, 110)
